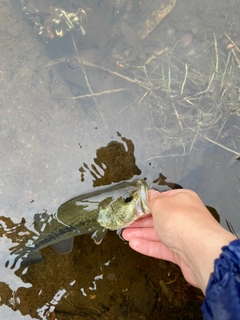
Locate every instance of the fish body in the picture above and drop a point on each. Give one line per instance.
(93, 213)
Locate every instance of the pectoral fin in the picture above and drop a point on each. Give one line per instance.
(98, 235)
(63, 247)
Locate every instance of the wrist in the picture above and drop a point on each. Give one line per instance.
(207, 249)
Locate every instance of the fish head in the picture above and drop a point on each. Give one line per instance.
(130, 204)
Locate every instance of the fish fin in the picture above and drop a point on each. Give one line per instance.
(64, 246)
(40, 219)
(37, 218)
(23, 261)
(31, 258)
(98, 235)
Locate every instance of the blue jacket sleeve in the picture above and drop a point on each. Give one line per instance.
(222, 300)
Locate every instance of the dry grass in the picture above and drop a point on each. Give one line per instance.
(194, 103)
(188, 100)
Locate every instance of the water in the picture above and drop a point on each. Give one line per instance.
(162, 124)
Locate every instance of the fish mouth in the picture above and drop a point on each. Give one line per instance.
(142, 203)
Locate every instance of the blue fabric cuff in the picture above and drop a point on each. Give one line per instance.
(222, 301)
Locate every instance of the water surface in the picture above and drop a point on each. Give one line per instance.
(177, 114)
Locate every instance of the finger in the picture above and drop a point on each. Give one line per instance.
(152, 249)
(145, 222)
(154, 193)
(143, 233)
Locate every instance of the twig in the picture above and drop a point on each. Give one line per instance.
(216, 51)
(224, 122)
(231, 48)
(225, 71)
(96, 94)
(221, 146)
(209, 85)
(92, 65)
(84, 73)
(144, 95)
(185, 78)
(233, 43)
(177, 116)
(155, 55)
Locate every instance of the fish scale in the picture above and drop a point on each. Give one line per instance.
(92, 213)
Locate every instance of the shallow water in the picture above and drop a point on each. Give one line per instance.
(53, 149)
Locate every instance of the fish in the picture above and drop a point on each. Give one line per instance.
(94, 213)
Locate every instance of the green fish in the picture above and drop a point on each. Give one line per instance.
(94, 213)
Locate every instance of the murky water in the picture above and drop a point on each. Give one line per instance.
(86, 110)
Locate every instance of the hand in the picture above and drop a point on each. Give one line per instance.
(180, 230)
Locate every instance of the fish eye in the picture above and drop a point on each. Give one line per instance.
(127, 198)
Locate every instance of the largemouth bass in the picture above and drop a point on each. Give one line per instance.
(93, 213)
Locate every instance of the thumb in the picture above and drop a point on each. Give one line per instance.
(152, 193)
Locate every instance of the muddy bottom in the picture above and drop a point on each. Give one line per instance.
(108, 281)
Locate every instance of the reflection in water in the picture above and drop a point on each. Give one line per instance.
(11, 233)
(113, 163)
(48, 309)
(161, 181)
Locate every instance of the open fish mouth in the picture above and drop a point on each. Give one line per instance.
(142, 204)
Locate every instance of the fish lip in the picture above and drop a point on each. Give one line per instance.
(142, 203)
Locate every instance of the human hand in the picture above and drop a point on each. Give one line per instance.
(180, 230)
